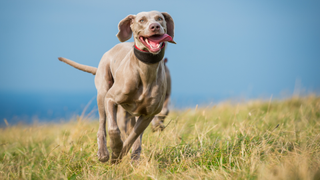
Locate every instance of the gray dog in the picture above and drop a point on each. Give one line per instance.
(131, 82)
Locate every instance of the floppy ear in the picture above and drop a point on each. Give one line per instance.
(125, 31)
(170, 24)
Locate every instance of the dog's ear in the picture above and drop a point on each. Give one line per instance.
(125, 31)
(170, 24)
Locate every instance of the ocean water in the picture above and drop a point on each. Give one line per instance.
(29, 107)
(42, 107)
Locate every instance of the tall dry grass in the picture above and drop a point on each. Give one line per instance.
(253, 140)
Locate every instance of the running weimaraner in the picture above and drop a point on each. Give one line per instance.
(131, 82)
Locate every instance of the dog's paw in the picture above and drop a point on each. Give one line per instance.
(115, 158)
(103, 157)
(115, 161)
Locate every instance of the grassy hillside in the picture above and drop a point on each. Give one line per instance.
(254, 140)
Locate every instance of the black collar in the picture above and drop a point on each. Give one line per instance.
(148, 57)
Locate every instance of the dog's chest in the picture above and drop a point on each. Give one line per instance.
(146, 101)
(151, 101)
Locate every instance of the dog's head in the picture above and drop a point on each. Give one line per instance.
(150, 30)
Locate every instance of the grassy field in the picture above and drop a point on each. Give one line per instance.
(252, 140)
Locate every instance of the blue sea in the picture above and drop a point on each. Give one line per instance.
(41, 107)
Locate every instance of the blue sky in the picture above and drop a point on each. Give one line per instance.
(224, 48)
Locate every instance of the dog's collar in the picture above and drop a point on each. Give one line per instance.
(148, 57)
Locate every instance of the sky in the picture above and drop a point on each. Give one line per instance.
(224, 48)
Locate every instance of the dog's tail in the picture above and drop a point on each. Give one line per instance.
(81, 67)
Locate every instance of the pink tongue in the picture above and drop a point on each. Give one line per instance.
(156, 40)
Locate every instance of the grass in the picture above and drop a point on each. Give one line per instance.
(253, 140)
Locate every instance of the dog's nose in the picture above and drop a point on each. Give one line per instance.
(154, 27)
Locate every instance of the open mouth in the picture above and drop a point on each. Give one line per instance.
(154, 43)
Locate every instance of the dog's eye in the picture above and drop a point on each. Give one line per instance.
(141, 20)
(159, 19)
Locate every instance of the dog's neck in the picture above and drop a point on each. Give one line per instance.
(148, 57)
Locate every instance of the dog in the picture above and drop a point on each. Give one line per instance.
(131, 83)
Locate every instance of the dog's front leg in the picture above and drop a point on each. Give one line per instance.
(113, 129)
(141, 124)
(103, 154)
(136, 148)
